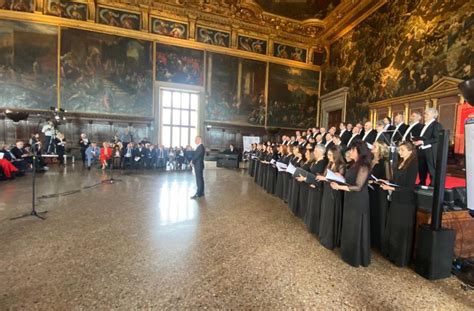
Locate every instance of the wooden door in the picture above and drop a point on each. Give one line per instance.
(334, 118)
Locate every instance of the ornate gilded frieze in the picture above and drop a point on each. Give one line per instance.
(250, 44)
(213, 36)
(289, 52)
(119, 18)
(169, 28)
(67, 9)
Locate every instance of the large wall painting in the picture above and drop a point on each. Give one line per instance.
(292, 97)
(18, 5)
(222, 101)
(67, 9)
(402, 48)
(179, 65)
(118, 18)
(289, 52)
(169, 28)
(252, 45)
(231, 101)
(213, 37)
(103, 73)
(28, 65)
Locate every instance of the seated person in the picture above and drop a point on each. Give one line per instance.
(231, 150)
(127, 155)
(92, 154)
(19, 158)
(6, 167)
(105, 155)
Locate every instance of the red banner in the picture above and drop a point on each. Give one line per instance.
(465, 111)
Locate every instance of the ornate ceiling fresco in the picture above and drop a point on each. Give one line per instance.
(314, 22)
(300, 9)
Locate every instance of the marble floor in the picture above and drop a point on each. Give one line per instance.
(141, 243)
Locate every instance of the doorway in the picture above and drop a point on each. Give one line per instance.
(179, 117)
(334, 118)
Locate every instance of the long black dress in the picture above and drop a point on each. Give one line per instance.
(260, 156)
(303, 192)
(287, 182)
(311, 217)
(251, 164)
(280, 178)
(261, 170)
(294, 189)
(355, 236)
(398, 237)
(271, 175)
(331, 216)
(378, 205)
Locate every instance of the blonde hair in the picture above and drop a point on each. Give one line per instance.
(384, 152)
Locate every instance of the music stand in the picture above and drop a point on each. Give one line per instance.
(111, 180)
(33, 212)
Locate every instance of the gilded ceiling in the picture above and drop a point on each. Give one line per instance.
(300, 9)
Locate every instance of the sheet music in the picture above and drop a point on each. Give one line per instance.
(272, 161)
(330, 175)
(291, 168)
(370, 146)
(281, 166)
(2, 155)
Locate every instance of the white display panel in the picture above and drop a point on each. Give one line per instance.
(249, 140)
(469, 153)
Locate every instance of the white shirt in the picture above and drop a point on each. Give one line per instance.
(423, 146)
(426, 127)
(367, 133)
(408, 130)
(327, 143)
(353, 135)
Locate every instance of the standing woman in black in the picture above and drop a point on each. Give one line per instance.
(287, 176)
(251, 154)
(259, 155)
(378, 196)
(266, 163)
(330, 226)
(294, 189)
(304, 187)
(261, 165)
(284, 158)
(398, 237)
(355, 236)
(311, 217)
(270, 178)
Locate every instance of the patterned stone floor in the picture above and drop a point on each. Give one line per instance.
(142, 243)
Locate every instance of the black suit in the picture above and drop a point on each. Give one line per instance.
(383, 138)
(427, 157)
(198, 163)
(352, 140)
(397, 135)
(370, 138)
(415, 131)
(345, 137)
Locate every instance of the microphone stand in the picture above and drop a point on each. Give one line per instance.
(33, 212)
(111, 180)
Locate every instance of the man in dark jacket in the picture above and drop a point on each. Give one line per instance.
(198, 163)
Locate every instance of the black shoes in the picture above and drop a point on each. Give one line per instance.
(194, 197)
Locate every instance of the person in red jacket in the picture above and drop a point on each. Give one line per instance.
(105, 154)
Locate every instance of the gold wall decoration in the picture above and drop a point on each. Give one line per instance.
(119, 18)
(289, 52)
(170, 28)
(18, 5)
(213, 36)
(67, 9)
(250, 44)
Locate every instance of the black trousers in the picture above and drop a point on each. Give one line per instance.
(199, 181)
(426, 165)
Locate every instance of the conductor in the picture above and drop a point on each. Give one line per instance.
(198, 163)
